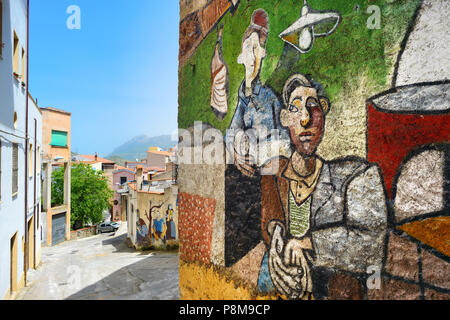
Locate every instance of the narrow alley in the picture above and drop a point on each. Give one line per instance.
(102, 267)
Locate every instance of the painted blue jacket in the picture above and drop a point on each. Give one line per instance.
(261, 110)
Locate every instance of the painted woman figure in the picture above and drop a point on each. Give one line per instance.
(258, 108)
(171, 233)
(219, 80)
(142, 232)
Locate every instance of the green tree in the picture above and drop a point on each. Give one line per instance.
(90, 193)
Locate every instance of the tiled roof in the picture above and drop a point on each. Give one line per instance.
(132, 185)
(120, 168)
(88, 157)
(157, 169)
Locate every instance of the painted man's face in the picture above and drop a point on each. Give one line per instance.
(305, 118)
(251, 57)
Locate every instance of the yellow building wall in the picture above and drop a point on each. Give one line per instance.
(53, 120)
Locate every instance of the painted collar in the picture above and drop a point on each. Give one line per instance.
(256, 85)
(309, 181)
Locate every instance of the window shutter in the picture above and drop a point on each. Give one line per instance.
(15, 169)
(30, 156)
(59, 139)
(16, 53)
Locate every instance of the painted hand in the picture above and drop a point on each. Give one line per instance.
(294, 251)
(296, 255)
(286, 279)
(245, 164)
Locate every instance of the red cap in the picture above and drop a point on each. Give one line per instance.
(261, 19)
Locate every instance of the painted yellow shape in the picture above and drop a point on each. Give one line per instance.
(202, 282)
(208, 282)
(433, 232)
(291, 38)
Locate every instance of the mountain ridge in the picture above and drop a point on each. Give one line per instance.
(136, 147)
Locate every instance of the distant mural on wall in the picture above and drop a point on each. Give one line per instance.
(157, 226)
(354, 203)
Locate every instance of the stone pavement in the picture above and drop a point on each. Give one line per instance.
(102, 267)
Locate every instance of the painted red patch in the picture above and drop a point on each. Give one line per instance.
(195, 225)
(392, 136)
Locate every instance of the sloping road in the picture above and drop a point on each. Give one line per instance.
(102, 267)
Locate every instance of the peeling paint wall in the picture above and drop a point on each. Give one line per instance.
(352, 97)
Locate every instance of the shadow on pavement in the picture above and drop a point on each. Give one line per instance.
(118, 242)
(152, 278)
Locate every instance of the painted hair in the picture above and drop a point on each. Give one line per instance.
(260, 25)
(299, 80)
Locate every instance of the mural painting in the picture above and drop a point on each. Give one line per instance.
(301, 34)
(142, 235)
(336, 182)
(409, 136)
(156, 227)
(171, 233)
(219, 80)
(309, 203)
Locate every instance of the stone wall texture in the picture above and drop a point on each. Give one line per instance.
(83, 233)
(353, 202)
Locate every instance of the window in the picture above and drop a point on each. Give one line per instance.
(23, 65)
(15, 120)
(16, 54)
(15, 168)
(123, 180)
(59, 139)
(38, 160)
(30, 157)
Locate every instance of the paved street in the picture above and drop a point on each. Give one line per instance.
(102, 267)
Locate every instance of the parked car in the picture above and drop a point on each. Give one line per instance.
(108, 227)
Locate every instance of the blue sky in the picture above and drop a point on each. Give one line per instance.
(117, 74)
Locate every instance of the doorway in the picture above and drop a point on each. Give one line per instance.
(13, 264)
(31, 243)
(58, 228)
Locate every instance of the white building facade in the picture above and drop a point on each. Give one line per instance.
(20, 145)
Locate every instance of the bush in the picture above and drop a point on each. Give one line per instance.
(90, 194)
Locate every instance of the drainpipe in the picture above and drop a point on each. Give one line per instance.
(25, 261)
